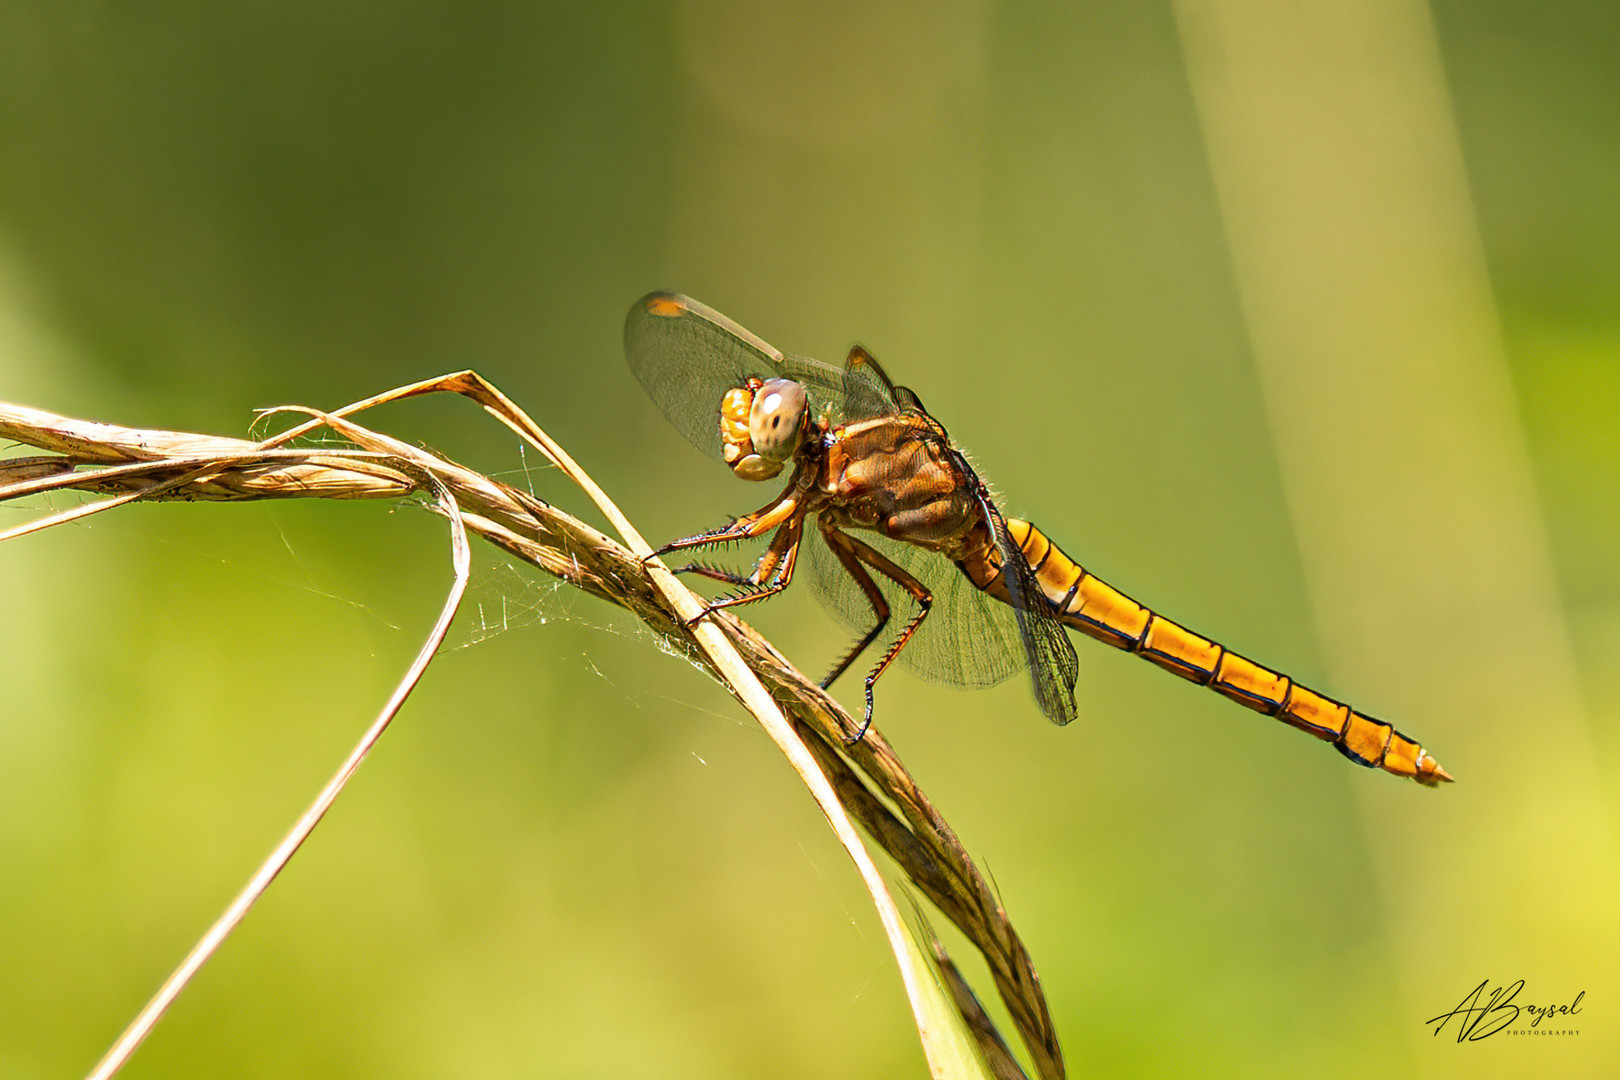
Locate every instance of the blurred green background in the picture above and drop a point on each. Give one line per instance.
(573, 856)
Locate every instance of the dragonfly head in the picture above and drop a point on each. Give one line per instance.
(762, 424)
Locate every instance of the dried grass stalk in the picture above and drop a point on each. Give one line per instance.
(870, 782)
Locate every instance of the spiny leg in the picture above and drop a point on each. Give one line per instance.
(787, 505)
(774, 570)
(843, 549)
(772, 573)
(851, 553)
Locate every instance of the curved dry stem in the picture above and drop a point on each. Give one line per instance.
(209, 943)
(868, 779)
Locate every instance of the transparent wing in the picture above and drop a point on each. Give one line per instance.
(686, 356)
(968, 640)
(1053, 666)
(867, 389)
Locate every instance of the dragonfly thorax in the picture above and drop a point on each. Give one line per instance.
(762, 424)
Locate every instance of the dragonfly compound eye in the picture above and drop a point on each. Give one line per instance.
(776, 419)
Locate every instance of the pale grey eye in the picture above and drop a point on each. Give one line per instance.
(776, 418)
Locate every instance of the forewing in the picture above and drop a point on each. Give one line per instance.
(867, 389)
(686, 356)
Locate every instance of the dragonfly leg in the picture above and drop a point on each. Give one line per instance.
(784, 515)
(714, 573)
(852, 553)
(786, 506)
(842, 547)
(771, 575)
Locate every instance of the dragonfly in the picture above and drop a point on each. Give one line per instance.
(901, 517)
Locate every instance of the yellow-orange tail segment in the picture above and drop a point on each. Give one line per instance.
(1097, 609)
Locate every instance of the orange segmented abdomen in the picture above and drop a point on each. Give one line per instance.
(1092, 606)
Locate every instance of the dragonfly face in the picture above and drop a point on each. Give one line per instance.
(902, 520)
(762, 424)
